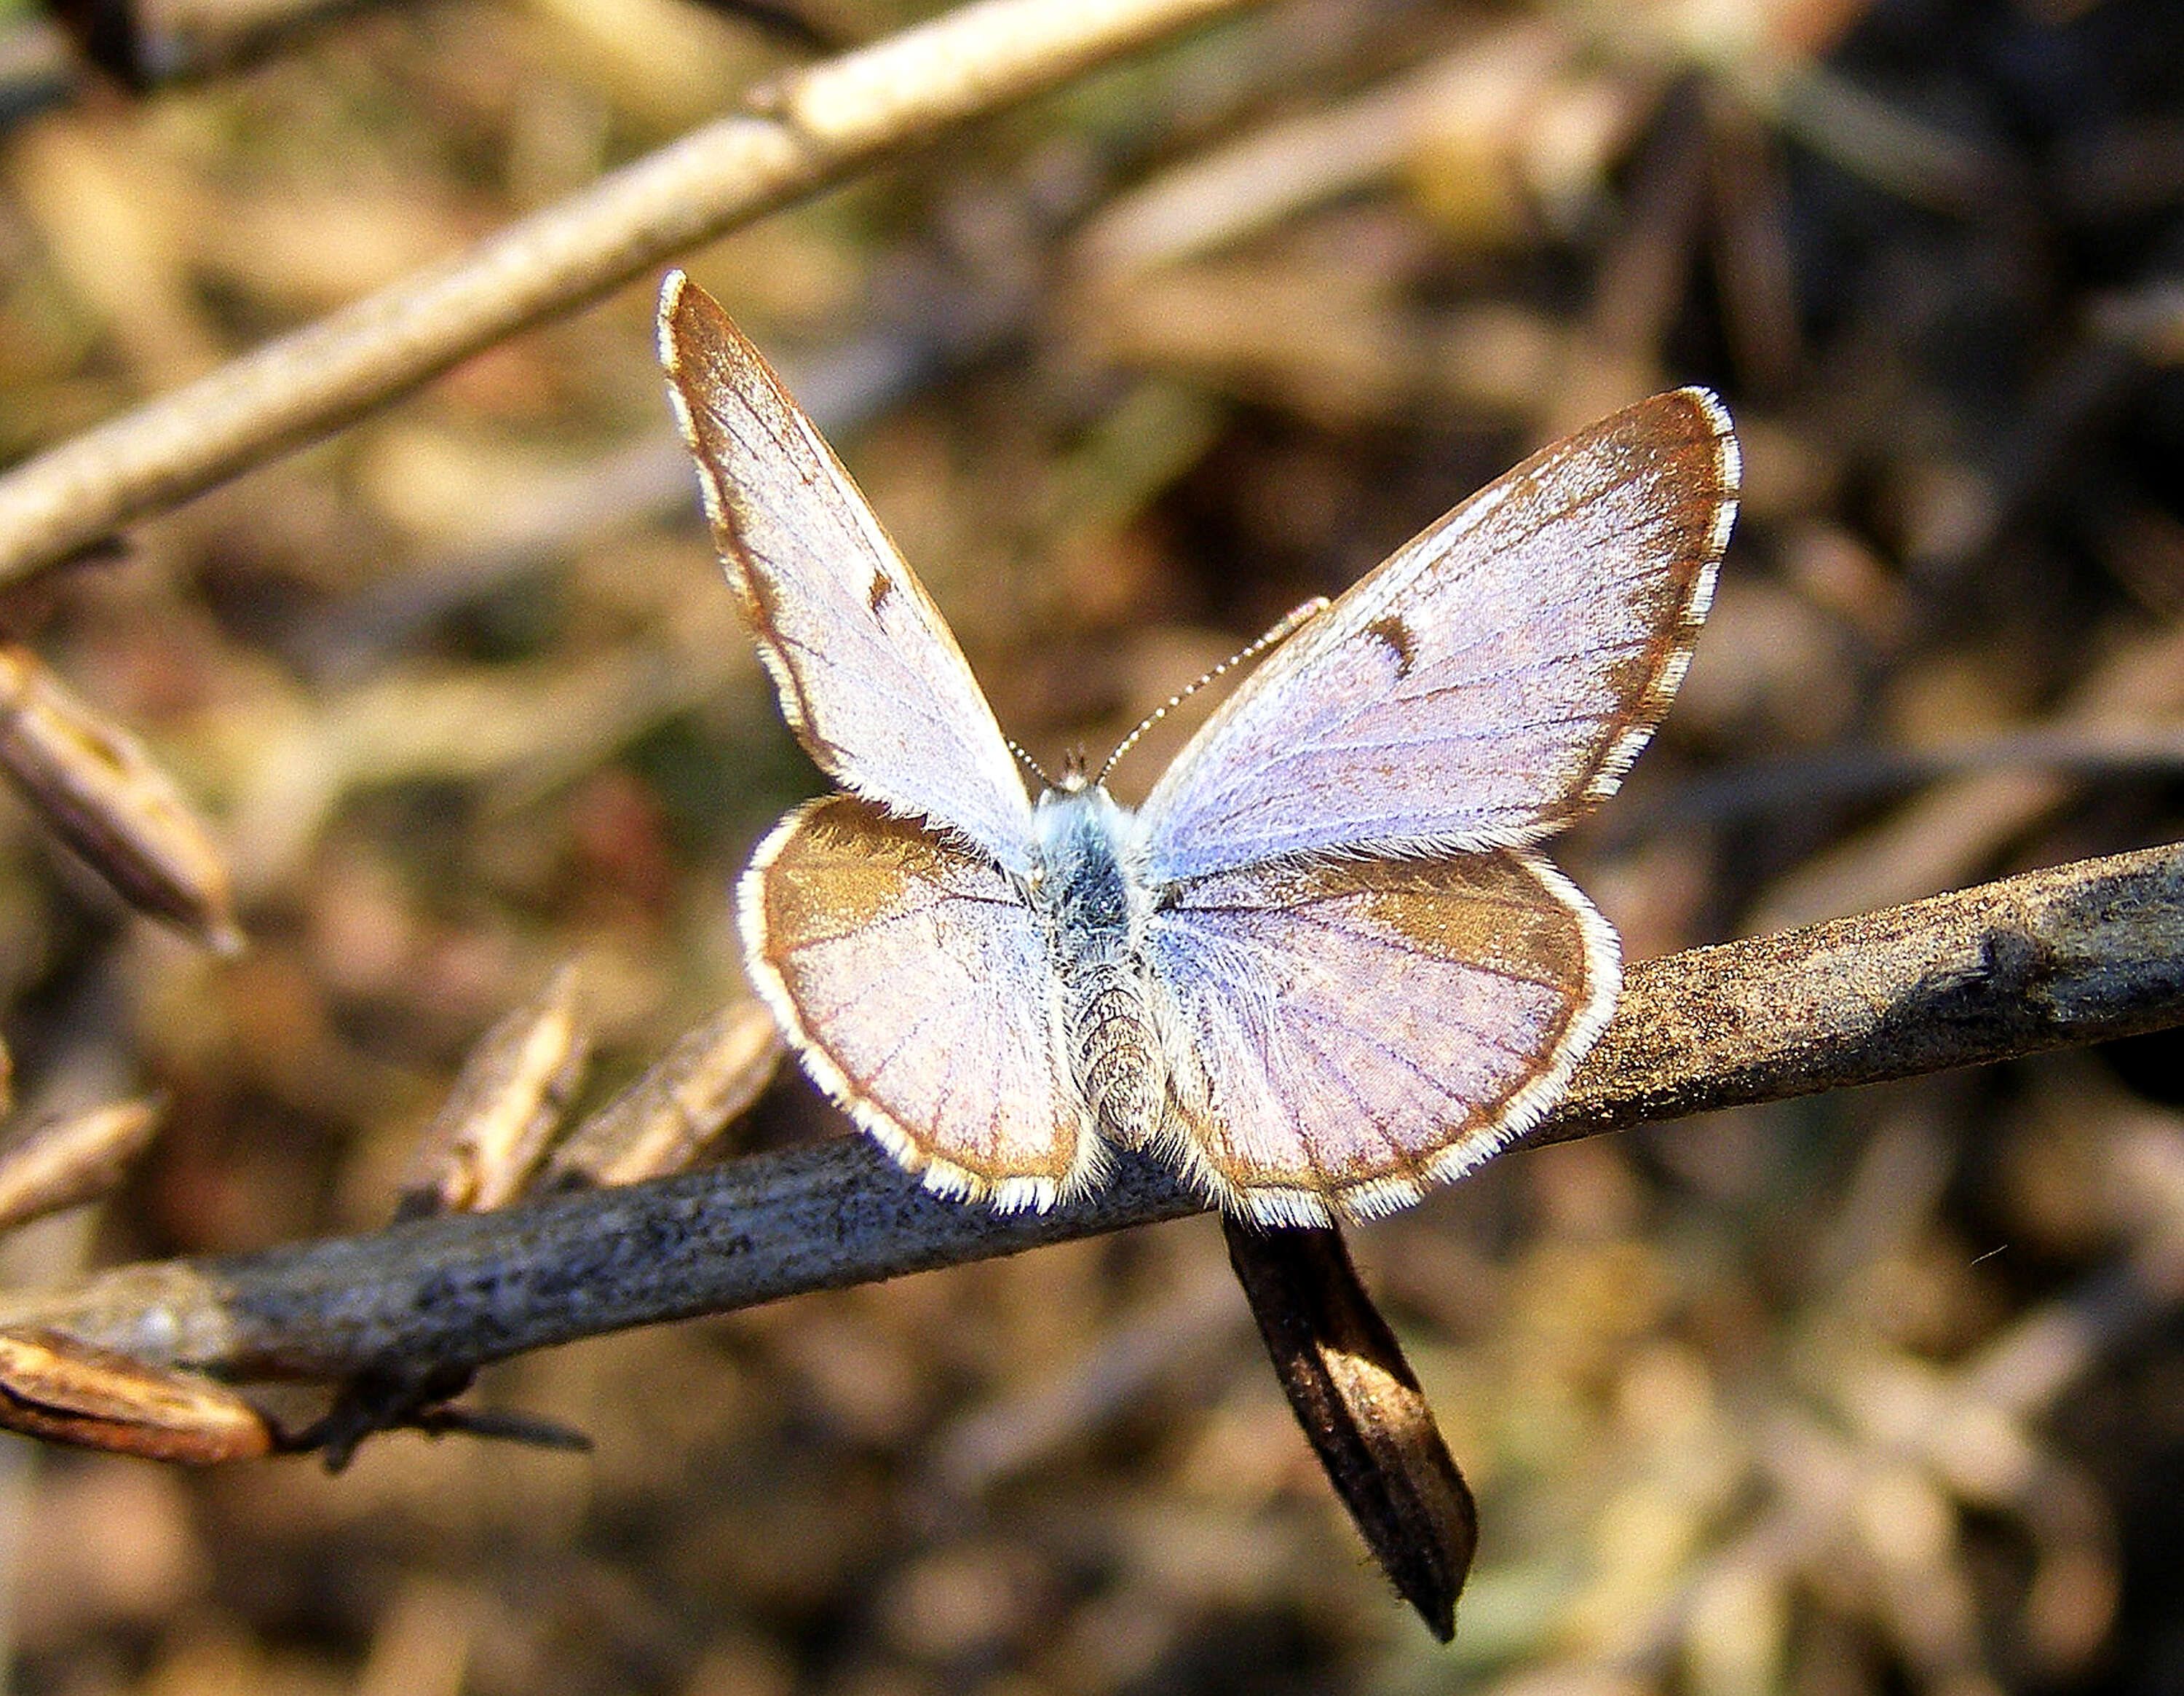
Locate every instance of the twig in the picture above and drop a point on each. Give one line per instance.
(2091, 752)
(2077, 954)
(807, 130)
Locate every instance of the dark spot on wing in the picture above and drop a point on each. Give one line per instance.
(875, 596)
(1400, 639)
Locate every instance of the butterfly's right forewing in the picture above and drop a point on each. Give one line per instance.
(870, 679)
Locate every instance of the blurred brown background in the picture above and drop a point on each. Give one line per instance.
(1877, 1393)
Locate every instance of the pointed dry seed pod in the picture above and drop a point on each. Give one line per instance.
(51, 1385)
(1360, 1407)
(76, 1158)
(487, 1138)
(680, 1104)
(100, 792)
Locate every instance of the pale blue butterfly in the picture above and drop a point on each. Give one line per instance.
(1323, 968)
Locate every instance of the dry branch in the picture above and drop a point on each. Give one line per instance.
(2078, 954)
(801, 133)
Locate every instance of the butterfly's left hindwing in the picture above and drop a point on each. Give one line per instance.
(1379, 1025)
(913, 978)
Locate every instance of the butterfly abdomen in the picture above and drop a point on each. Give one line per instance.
(1094, 919)
(1116, 1056)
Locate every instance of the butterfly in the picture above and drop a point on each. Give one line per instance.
(1325, 966)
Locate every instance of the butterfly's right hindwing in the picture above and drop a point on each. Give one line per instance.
(870, 679)
(914, 980)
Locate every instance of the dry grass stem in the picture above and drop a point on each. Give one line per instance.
(489, 1135)
(65, 1391)
(1946, 834)
(98, 791)
(808, 129)
(1363, 1411)
(71, 1160)
(673, 1111)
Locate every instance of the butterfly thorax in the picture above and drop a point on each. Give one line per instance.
(1094, 908)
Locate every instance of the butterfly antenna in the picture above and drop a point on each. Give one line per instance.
(1030, 765)
(1290, 621)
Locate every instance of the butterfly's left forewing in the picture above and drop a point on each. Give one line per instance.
(1488, 682)
(870, 679)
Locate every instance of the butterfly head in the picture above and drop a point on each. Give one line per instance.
(1076, 775)
(1075, 811)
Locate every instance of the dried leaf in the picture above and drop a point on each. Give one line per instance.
(72, 1159)
(680, 1104)
(100, 792)
(51, 1385)
(482, 1146)
(1362, 1408)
